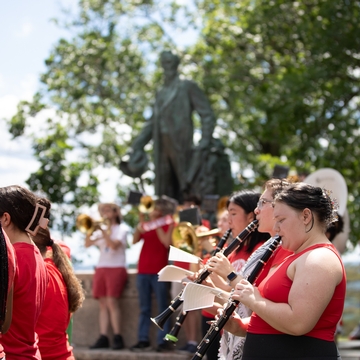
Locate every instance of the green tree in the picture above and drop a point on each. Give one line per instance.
(282, 77)
(98, 81)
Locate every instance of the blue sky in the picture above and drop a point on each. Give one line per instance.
(26, 38)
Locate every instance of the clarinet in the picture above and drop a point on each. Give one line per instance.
(172, 335)
(160, 320)
(218, 325)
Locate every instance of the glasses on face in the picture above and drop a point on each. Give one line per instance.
(262, 202)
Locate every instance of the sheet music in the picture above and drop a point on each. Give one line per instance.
(197, 296)
(173, 273)
(176, 254)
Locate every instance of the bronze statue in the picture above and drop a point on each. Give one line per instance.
(178, 164)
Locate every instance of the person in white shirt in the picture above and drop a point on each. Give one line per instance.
(110, 274)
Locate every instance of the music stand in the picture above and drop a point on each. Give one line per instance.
(280, 172)
(134, 197)
(191, 215)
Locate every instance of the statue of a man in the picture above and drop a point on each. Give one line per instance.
(171, 128)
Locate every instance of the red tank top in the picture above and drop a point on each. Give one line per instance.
(277, 287)
(154, 254)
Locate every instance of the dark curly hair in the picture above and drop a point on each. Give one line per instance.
(300, 196)
(20, 204)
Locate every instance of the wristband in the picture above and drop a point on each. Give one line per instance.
(232, 276)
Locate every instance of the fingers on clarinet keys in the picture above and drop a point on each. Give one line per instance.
(240, 284)
(219, 313)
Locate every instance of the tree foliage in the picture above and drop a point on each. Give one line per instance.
(282, 77)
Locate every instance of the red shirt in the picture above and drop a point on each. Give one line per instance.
(54, 318)
(30, 283)
(66, 249)
(154, 254)
(11, 273)
(280, 254)
(277, 287)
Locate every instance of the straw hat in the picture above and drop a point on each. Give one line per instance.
(111, 205)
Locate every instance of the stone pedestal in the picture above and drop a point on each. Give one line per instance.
(86, 319)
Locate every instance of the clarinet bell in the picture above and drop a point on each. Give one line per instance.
(161, 319)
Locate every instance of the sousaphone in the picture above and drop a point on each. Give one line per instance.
(332, 180)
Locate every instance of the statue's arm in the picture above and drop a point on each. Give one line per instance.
(144, 137)
(202, 106)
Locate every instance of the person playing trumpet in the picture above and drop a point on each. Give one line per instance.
(153, 257)
(110, 274)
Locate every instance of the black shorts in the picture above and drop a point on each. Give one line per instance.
(282, 346)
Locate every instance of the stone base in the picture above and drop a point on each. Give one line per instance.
(104, 354)
(86, 319)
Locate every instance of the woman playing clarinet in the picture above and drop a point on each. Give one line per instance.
(231, 346)
(297, 306)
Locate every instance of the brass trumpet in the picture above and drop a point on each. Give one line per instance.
(88, 225)
(147, 204)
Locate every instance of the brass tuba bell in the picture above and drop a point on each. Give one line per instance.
(221, 205)
(88, 225)
(184, 237)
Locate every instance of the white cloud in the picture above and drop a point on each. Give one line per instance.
(16, 160)
(8, 102)
(8, 105)
(2, 81)
(28, 86)
(26, 28)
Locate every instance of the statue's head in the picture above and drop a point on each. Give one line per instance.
(169, 61)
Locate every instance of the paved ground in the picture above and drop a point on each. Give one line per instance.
(349, 350)
(86, 354)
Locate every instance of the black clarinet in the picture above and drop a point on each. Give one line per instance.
(218, 325)
(172, 335)
(160, 320)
